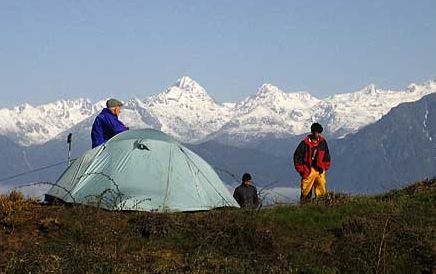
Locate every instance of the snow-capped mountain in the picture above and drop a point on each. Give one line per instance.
(136, 114)
(397, 149)
(269, 111)
(27, 125)
(187, 112)
(346, 113)
(272, 112)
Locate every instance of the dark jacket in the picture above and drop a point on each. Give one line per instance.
(246, 196)
(106, 125)
(311, 153)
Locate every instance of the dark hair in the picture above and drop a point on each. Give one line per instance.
(246, 177)
(315, 127)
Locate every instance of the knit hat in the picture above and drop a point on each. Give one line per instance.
(315, 127)
(113, 103)
(246, 177)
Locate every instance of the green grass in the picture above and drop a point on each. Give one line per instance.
(390, 233)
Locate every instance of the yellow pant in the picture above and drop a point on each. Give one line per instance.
(314, 180)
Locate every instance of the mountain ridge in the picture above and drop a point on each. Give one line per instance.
(186, 111)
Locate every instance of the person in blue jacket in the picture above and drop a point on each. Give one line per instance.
(106, 124)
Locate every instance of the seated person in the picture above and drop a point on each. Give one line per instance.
(246, 193)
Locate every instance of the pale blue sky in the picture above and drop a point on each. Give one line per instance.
(85, 48)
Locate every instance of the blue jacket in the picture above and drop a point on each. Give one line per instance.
(106, 125)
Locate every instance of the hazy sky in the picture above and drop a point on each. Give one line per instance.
(96, 49)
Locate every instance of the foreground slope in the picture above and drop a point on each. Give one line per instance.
(389, 233)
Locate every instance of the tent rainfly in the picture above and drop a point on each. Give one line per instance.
(143, 170)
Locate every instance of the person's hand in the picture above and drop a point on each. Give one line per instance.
(304, 175)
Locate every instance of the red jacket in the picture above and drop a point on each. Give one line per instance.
(310, 153)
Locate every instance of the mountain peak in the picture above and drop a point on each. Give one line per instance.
(23, 107)
(184, 87)
(186, 83)
(428, 86)
(184, 91)
(271, 91)
(268, 89)
(370, 89)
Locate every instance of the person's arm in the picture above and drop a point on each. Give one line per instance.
(299, 160)
(256, 201)
(97, 133)
(323, 160)
(114, 125)
(237, 197)
(118, 126)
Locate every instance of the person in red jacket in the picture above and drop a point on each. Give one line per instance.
(312, 160)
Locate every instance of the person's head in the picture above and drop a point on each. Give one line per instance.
(246, 179)
(315, 130)
(114, 106)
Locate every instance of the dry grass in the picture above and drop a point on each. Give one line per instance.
(337, 234)
(12, 206)
(10, 203)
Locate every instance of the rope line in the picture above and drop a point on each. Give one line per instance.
(32, 171)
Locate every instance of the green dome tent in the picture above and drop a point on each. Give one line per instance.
(142, 170)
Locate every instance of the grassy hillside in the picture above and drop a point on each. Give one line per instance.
(390, 233)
